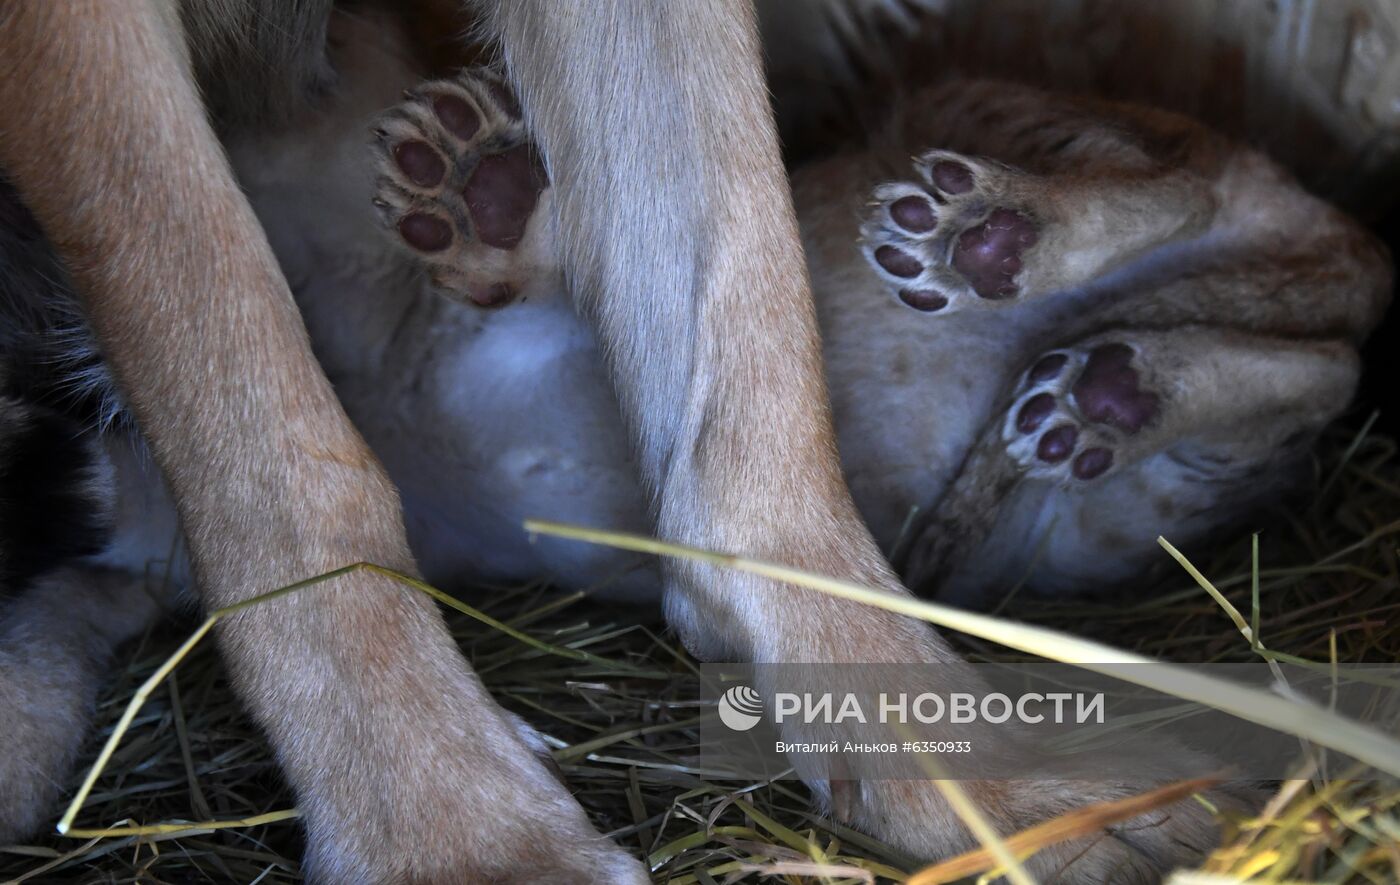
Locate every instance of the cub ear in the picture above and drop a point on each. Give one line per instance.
(56, 492)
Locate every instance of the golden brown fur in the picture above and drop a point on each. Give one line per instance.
(389, 739)
(404, 768)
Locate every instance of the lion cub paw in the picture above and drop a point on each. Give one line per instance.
(460, 187)
(1076, 410)
(954, 237)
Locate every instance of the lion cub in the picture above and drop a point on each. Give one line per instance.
(1063, 328)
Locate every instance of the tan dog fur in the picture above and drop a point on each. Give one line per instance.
(391, 742)
(405, 769)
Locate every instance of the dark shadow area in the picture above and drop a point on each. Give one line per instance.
(1381, 355)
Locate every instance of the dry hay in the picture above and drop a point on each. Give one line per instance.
(624, 720)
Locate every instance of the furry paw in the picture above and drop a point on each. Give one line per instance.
(461, 188)
(1076, 409)
(955, 237)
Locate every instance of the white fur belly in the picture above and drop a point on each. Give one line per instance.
(485, 419)
(531, 430)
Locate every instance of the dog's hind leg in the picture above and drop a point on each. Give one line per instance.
(405, 769)
(56, 640)
(66, 617)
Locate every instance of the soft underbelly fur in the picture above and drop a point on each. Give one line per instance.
(485, 419)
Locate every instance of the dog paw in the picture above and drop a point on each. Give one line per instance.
(913, 816)
(1076, 410)
(461, 187)
(953, 238)
(496, 812)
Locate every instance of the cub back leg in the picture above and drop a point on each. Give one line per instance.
(973, 232)
(1027, 193)
(1124, 436)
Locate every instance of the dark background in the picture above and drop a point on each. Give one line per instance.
(1382, 354)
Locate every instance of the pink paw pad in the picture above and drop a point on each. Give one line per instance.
(989, 255)
(424, 232)
(1107, 390)
(456, 116)
(1077, 410)
(914, 214)
(501, 195)
(898, 263)
(1057, 444)
(951, 177)
(1091, 463)
(420, 163)
(925, 300)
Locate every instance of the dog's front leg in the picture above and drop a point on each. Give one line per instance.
(678, 237)
(405, 769)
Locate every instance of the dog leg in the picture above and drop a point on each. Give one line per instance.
(56, 640)
(677, 236)
(404, 768)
